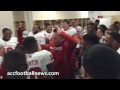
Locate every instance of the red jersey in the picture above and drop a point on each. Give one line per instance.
(62, 55)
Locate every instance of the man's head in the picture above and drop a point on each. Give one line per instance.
(13, 61)
(117, 23)
(113, 40)
(101, 31)
(58, 23)
(112, 28)
(66, 25)
(74, 23)
(6, 34)
(36, 28)
(100, 62)
(97, 22)
(30, 44)
(91, 28)
(48, 28)
(88, 40)
(56, 38)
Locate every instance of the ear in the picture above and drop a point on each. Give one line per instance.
(84, 73)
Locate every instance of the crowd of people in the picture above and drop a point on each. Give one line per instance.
(75, 52)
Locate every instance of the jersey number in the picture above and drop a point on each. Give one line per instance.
(37, 69)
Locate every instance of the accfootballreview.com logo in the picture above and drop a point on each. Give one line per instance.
(32, 73)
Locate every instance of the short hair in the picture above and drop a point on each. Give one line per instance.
(47, 24)
(116, 22)
(104, 28)
(21, 48)
(97, 21)
(57, 22)
(91, 24)
(92, 38)
(37, 25)
(14, 60)
(115, 27)
(66, 21)
(5, 29)
(29, 43)
(101, 62)
(115, 36)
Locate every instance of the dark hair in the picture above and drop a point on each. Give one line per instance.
(101, 62)
(116, 22)
(91, 24)
(29, 43)
(57, 22)
(115, 36)
(66, 21)
(14, 60)
(5, 29)
(37, 25)
(47, 24)
(97, 21)
(104, 28)
(21, 48)
(55, 30)
(115, 27)
(92, 38)
(95, 27)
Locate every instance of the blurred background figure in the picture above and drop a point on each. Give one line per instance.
(36, 29)
(101, 33)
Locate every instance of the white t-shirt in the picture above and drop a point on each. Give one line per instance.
(43, 37)
(9, 45)
(118, 50)
(102, 40)
(48, 35)
(71, 31)
(38, 62)
(30, 34)
(79, 29)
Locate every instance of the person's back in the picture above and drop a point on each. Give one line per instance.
(38, 61)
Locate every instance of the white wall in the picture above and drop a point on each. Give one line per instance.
(95, 14)
(18, 15)
(6, 21)
(50, 15)
(108, 13)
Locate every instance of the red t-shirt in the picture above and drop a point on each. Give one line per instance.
(62, 55)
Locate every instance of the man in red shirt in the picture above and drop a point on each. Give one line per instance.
(62, 46)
